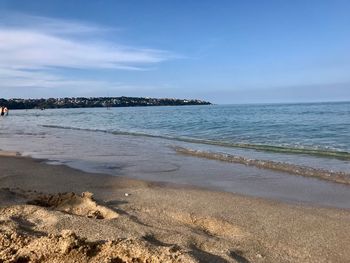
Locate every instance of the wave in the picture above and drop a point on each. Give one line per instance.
(342, 155)
(334, 176)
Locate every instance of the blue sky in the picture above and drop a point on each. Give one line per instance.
(221, 51)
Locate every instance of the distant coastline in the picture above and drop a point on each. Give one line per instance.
(96, 102)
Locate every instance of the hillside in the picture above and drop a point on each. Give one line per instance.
(81, 102)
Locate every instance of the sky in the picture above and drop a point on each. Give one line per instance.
(226, 51)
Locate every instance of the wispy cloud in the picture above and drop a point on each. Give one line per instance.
(45, 42)
(31, 48)
(51, 25)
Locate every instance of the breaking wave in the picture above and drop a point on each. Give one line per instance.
(334, 176)
(328, 153)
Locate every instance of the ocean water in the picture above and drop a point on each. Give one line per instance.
(139, 142)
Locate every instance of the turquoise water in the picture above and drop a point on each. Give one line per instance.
(316, 129)
(292, 131)
(139, 143)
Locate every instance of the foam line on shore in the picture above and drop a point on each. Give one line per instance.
(327, 153)
(333, 176)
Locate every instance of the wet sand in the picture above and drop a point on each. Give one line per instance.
(127, 220)
(153, 159)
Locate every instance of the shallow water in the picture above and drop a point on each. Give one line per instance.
(319, 128)
(106, 141)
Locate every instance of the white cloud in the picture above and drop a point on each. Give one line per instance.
(51, 25)
(31, 47)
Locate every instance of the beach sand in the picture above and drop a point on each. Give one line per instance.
(53, 213)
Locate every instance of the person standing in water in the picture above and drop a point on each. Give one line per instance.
(4, 111)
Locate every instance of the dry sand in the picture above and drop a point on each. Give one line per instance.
(48, 214)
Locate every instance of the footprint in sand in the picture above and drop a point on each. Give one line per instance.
(82, 205)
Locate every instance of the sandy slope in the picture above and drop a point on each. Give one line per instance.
(153, 222)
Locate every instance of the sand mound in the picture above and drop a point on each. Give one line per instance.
(82, 205)
(28, 233)
(67, 247)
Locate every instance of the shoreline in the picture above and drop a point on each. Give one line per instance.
(155, 220)
(122, 180)
(292, 169)
(321, 193)
(154, 159)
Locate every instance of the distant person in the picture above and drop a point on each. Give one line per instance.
(6, 111)
(2, 111)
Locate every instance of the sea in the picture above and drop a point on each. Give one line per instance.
(233, 148)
